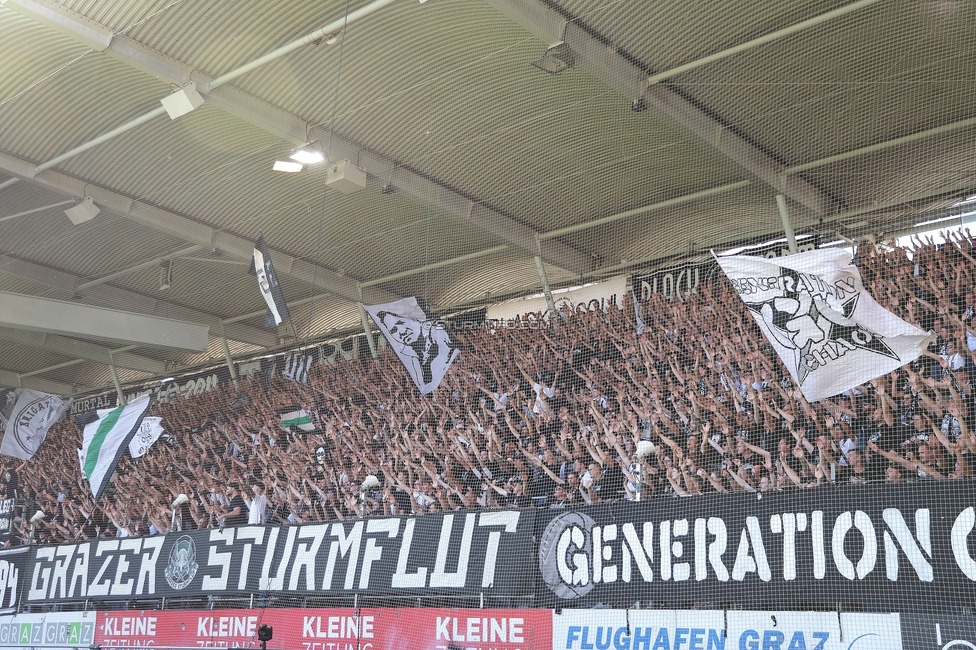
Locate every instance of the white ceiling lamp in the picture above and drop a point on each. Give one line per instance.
(287, 166)
(82, 212)
(182, 101)
(307, 157)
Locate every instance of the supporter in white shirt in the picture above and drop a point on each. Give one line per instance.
(257, 507)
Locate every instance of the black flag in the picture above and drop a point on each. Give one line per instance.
(268, 284)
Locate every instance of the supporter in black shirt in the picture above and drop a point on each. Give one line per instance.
(236, 514)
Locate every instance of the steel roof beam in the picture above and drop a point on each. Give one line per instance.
(75, 319)
(12, 380)
(620, 74)
(82, 350)
(881, 146)
(106, 294)
(186, 229)
(141, 267)
(299, 132)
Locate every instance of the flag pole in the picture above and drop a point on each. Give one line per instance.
(118, 386)
(230, 363)
(365, 319)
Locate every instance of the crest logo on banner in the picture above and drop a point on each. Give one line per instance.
(565, 553)
(183, 564)
(814, 310)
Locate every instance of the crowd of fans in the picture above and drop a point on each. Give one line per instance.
(579, 411)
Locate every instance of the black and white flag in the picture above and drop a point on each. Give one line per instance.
(296, 367)
(424, 346)
(27, 418)
(268, 284)
(638, 314)
(149, 432)
(827, 329)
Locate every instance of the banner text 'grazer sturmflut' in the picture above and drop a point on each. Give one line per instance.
(457, 553)
(909, 543)
(886, 547)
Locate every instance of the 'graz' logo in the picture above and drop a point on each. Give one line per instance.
(564, 552)
(182, 563)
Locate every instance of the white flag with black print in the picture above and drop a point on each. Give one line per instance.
(816, 313)
(424, 346)
(638, 314)
(148, 433)
(27, 418)
(268, 284)
(296, 367)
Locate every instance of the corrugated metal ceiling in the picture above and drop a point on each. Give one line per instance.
(443, 96)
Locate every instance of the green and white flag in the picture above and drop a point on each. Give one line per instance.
(296, 417)
(107, 438)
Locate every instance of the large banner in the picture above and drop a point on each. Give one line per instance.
(604, 293)
(13, 568)
(675, 281)
(331, 629)
(183, 387)
(641, 629)
(471, 552)
(886, 547)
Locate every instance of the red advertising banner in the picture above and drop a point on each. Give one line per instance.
(330, 629)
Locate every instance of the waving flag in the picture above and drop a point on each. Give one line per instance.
(296, 417)
(816, 313)
(107, 438)
(424, 346)
(638, 314)
(148, 433)
(268, 284)
(32, 415)
(296, 367)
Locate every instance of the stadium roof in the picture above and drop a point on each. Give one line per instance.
(676, 124)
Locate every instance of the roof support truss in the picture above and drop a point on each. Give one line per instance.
(299, 132)
(45, 315)
(629, 80)
(82, 350)
(107, 294)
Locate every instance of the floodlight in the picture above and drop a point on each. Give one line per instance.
(286, 166)
(307, 157)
